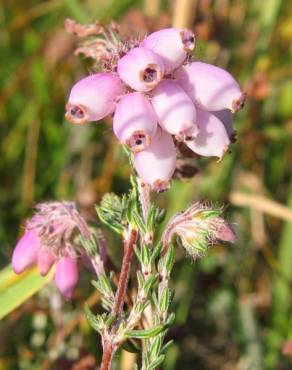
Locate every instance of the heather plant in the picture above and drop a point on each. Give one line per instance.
(162, 102)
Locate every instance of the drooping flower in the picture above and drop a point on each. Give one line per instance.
(141, 69)
(135, 121)
(156, 164)
(212, 139)
(197, 228)
(94, 97)
(210, 87)
(49, 239)
(172, 45)
(175, 110)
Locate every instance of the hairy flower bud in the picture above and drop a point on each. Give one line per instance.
(197, 227)
(94, 97)
(172, 45)
(50, 239)
(141, 69)
(212, 140)
(210, 87)
(175, 110)
(156, 164)
(135, 121)
(67, 276)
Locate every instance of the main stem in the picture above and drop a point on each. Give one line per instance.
(109, 347)
(125, 273)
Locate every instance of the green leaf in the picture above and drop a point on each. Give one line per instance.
(144, 334)
(156, 363)
(111, 211)
(16, 289)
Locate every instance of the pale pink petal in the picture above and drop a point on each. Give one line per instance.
(172, 45)
(135, 121)
(210, 87)
(67, 276)
(45, 261)
(94, 97)
(212, 140)
(175, 110)
(225, 117)
(156, 164)
(225, 233)
(25, 252)
(141, 69)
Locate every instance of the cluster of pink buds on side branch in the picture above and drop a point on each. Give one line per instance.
(50, 239)
(158, 97)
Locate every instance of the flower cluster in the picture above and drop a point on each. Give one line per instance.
(159, 97)
(50, 238)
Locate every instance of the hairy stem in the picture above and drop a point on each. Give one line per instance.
(125, 273)
(107, 356)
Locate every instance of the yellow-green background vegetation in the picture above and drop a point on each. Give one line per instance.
(234, 307)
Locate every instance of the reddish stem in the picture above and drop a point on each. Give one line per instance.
(108, 348)
(107, 356)
(125, 273)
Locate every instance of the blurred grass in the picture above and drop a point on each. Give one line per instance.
(234, 307)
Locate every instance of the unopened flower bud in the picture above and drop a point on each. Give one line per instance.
(210, 87)
(45, 261)
(141, 69)
(94, 97)
(172, 45)
(212, 140)
(175, 110)
(135, 121)
(197, 227)
(156, 164)
(50, 238)
(25, 252)
(67, 276)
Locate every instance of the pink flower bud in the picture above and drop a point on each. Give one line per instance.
(156, 164)
(135, 121)
(25, 252)
(212, 139)
(210, 87)
(172, 45)
(141, 69)
(93, 98)
(67, 276)
(45, 261)
(225, 233)
(175, 110)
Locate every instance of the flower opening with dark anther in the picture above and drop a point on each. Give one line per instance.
(188, 40)
(151, 75)
(138, 141)
(76, 114)
(238, 103)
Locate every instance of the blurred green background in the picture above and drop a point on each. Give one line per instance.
(234, 307)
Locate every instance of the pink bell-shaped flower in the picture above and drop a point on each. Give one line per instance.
(172, 45)
(45, 261)
(212, 140)
(141, 69)
(156, 164)
(67, 276)
(25, 252)
(135, 121)
(175, 110)
(225, 117)
(210, 87)
(94, 97)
